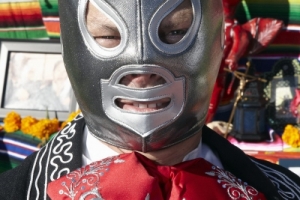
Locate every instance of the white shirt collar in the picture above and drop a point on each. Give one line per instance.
(94, 150)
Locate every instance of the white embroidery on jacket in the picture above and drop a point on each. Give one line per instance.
(31, 176)
(236, 188)
(61, 150)
(88, 176)
(47, 166)
(66, 134)
(40, 171)
(280, 180)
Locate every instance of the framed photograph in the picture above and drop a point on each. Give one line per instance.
(291, 164)
(281, 90)
(33, 80)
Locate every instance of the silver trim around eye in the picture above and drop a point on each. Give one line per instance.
(186, 41)
(93, 46)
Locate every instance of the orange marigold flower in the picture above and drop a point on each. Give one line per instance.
(70, 118)
(27, 123)
(291, 136)
(12, 122)
(41, 129)
(1, 128)
(44, 128)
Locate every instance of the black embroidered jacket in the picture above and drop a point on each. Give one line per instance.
(63, 154)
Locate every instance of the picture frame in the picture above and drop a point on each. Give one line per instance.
(291, 164)
(280, 90)
(33, 80)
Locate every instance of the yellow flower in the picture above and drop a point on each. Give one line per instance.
(44, 128)
(70, 118)
(41, 129)
(12, 122)
(291, 136)
(27, 123)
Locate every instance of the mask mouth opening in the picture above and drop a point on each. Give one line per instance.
(141, 81)
(142, 106)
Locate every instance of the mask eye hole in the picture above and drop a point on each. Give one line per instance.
(101, 27)
(176, 24)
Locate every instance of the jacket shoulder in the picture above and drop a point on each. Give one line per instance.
(13, 183)
(59, 156)
(286, 182)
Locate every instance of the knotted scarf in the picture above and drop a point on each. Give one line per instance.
(133, 177)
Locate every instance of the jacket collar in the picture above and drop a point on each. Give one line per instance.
(233, 160)
(238, 163)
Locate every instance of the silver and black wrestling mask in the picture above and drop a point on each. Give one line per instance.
(143, 117)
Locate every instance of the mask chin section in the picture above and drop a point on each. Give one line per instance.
(142, 106)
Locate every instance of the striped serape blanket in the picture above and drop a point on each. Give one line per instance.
(21, 19)
(287, 42)
(15, 147)
(51, 17)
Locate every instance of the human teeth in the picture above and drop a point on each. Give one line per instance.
(142, 105)
(145, 105)
(152, 105)
(136, 104)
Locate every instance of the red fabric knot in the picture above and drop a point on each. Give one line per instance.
(133, 177)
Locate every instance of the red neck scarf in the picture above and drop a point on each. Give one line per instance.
(134, 177)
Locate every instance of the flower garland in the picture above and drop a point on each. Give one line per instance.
(41, 129)
(70, 118)
(291, 135)
(12, 122)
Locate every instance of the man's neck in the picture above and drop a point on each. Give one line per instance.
(171, 155)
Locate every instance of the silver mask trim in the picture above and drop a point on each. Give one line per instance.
(90, 42)
(186, 41)
(198, 63)
(174, 88)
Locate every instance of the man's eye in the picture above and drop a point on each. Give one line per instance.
(110, 37)
(108, 41)
(173, 36)
(178, 32)
(101, 28)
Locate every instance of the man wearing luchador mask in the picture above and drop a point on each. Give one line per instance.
(142, 73)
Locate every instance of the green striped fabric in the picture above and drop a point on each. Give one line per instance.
(15, 147)
(36, 33)
(21, 20)
(49, 7)
(286, 10)
(287, 42)
(51, 17)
